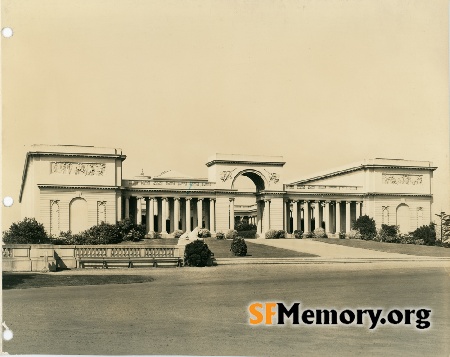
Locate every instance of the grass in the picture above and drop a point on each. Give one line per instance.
(221, 249)
(36, 280)
(420, 250)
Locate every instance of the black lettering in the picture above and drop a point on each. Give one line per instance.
(396, 320)
(326, 314)
(422, 315)
(282, 311)
(351, 317)
(306, 315)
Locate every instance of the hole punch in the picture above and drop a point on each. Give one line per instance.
(7, 32)
(8, 201)
(7, 334)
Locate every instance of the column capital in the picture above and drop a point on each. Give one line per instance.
(231, 199)
(348, 202)
(188, 198)
(200, 198)
(212, 199)
(176, 198)
(165, 198)
(267, 200)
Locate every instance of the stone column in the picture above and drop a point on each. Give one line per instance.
(159, 206)
(295, 217)
(306, 218)
(164, 215)
(119, 208)
(358, 209)
(127, 207)
(212, 215)
(151, 215)
(188, 214)
(347, 216)
(259, 217)
(138, 210)
(266, 223)
(317, 215)
(147, 215)
(326, 215)
(338, 217)
(231, 213)
(287, 216)
(176, 213)
(199, 213)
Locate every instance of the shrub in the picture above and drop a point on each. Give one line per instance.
(28, 231)
(104, 233)
(154, 235)
(197, 254)
(244, 226)
(309, 235)
(407, 239)
(298, 234)
(366, 227)
(231, 234)
(239, 247)
(204, 233)
(177, 233)
(220, 235)
(341, 235)
(271, 234)
(354, 234)
(129, 230)
(247, 234)
(275, 234)
(426, 233)
(320, 233)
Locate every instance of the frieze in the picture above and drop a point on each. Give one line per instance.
(402, 179)
(78, 168)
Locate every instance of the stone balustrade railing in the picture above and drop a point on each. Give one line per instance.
(38, 257)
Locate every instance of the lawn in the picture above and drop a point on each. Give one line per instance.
(36, 280)
(420, 250)
(221, 249)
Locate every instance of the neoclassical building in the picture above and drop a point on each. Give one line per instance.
(76, 187)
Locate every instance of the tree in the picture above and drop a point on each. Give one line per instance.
(366, 227)
(28, 231)
(444, 225)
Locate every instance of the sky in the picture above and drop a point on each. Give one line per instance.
(321, 82)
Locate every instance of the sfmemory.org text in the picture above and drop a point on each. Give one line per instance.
(276, 313)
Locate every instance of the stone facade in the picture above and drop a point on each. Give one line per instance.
(74, 187)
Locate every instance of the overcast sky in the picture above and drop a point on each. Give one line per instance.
(322, 83)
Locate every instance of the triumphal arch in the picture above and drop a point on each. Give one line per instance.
(76, 187)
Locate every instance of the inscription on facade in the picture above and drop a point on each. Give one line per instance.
(402, 179)
(78, 168)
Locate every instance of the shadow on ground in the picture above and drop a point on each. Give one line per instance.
(39, 280)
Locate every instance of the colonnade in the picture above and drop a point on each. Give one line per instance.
(167, 214)
(333, 215)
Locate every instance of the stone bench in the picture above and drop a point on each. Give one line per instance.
(129, 262)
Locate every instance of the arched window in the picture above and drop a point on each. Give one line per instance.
(403, 218)
(78, 220)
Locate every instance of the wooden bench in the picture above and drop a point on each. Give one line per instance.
(129, 262)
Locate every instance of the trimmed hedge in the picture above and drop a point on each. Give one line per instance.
(247, 234)
(239, 247)
(275, 234)
(197, 254)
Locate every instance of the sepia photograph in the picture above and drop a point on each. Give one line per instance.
(225, 178)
